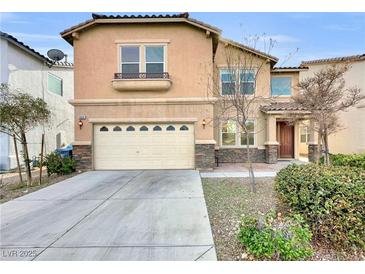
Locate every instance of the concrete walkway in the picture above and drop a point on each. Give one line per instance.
(240, 170)
(236, 174)
(110, 215)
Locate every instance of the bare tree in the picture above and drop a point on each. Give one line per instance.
(325, 95)
(235, 87)
(19, 113)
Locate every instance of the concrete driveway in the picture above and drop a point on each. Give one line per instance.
(110, 215)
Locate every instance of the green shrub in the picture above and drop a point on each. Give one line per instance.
(276, 238)
(56, 164)
(331, 199)
(353, 160)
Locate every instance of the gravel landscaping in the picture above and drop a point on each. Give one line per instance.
(11, 191)
(228, 198)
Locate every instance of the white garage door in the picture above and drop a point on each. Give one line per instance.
(143, 146)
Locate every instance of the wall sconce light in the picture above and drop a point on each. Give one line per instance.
(81, 118)
(203, 123)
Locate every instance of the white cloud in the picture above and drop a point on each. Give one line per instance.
(34, 37)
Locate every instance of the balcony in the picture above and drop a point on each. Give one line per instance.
(141, 81)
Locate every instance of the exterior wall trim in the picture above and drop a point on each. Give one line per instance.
(81, 143)
(142, 120)
(205, 142)
(143, 101)
(143, 41)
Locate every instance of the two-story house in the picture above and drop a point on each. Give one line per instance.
(26, 70)
(141, 99)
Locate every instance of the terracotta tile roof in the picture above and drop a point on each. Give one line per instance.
(336, 59)
(282, 106)
(32, 51)
(290, 68)
(102, 16)
(242, 46)
(184, 16)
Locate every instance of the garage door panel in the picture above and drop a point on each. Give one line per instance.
(143, 149)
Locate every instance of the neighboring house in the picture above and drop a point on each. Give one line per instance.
(141, 99)
(351, 137)
(26, 70)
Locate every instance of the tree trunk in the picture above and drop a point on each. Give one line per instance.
(26, 160)
(41, 161)
(250, 167)
(326, 149)
(17, 160)
(319, 148)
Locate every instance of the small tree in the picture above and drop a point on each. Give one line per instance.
(325, 95)
(19, 113)
(238, 97)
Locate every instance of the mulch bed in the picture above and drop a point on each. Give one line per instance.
(12, 191)
(228, 198)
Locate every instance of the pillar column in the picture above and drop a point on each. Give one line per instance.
(313, 153)
(271, 144)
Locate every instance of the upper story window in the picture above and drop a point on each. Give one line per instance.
(155, 62)
(244, 78)
(142, 61)
(281, 86)
(54, 84)
(130, 59)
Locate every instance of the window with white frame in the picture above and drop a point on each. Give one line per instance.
(281, 86)
(154, 59)
(149, 59)
(228, 82)
(245, 78)
(130, 59)
(250, 135)
(304, 134)
(247, 81)
(233, 135)
(54, 84)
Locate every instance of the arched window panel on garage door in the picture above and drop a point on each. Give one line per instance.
(170, 128)
(130, 128)
(117, 128)
(104, 128)
(157, 128)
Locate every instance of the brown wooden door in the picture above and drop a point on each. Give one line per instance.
(286, 140)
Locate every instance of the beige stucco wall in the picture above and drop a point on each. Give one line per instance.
(189, 55)
(189, 62)
(147, 113)
(351, 139)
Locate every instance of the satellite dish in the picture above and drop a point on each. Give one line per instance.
(55, 54)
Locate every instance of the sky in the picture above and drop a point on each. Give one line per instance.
(298, 36)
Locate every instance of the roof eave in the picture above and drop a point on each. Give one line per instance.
(272, 59)
(288, 70)
(36, 55)
(67, 33)
(286, 111)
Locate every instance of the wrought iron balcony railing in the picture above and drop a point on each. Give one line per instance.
(143, 75)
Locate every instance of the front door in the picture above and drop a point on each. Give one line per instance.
(285, 134)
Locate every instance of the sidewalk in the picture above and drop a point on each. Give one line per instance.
(240, 170)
